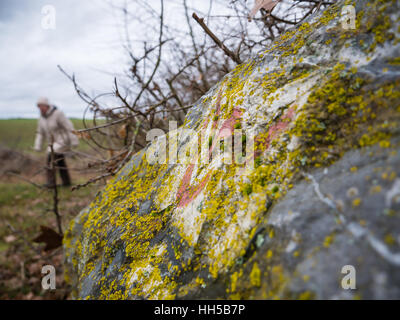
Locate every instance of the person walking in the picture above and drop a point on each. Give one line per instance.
(57, 130)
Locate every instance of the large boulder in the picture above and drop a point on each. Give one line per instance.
(313, 211)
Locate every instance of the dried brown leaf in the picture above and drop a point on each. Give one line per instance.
(268, 5)
(81, 135)
(122, 132)
(10, 238)
(48, 236)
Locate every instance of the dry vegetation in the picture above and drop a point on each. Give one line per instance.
(25, 206)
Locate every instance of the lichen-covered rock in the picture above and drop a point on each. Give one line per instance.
(321, 190)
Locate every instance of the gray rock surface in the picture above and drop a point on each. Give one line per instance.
(319, 192)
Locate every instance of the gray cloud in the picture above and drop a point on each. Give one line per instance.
(85, 40)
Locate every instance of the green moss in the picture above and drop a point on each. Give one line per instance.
(341, 113)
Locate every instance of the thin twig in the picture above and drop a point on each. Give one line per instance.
(25, 179)
(218, 42)
(55, 189)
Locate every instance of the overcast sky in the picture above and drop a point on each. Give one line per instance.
(85, 41)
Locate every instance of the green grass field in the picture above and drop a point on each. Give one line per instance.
(19, 134)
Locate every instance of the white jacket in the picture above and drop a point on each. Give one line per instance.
(57, 126)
